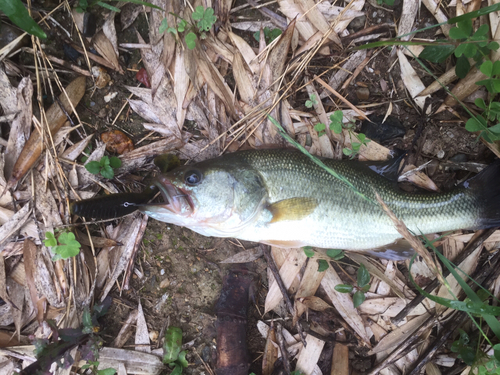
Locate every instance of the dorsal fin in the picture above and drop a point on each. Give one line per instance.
(388, 168)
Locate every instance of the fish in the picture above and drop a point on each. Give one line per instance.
(282, 198)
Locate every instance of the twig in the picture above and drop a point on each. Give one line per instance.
(401, 348)
(477, 240)
(274, 270)
(137, 245)
(61, 62)
(364, 32)
(284, 351)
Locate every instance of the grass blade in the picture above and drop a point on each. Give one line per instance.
(19, 15)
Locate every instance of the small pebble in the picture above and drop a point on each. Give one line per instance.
(164, 283)
(153, 335)
(459, 158)
(162, 272)
(102, 77)
(440, 154)
(110, 96)
(362, 93)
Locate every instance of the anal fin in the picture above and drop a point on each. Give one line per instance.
(398, 250)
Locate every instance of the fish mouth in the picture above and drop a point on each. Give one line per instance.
(175, 199)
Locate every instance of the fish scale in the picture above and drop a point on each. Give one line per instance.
(343, 219)
(256, 196)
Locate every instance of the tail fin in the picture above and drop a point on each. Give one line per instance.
(486, 188)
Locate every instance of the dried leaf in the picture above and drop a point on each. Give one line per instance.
(109, 31)
(105, 48)
(181, 84)
(270, 353)
(309, 355)
(343, 303)
(245, 256)
(315, 303)
(214, 80)
(277, 56)
(29, 258)
(15, 223)
(142, 333)
(71, 153)
(128, 234)
(288, 272)
(55, 119)
(411, 80)
(126, 330)
(128, 14)
(21, 124)
(400, 334)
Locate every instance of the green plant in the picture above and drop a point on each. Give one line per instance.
(468, 45)
(465, 44)
(86, 152)
(19, 15)
(491, 110)
(466, 351)
(336, 125)
(65, 246)
(83, 5)
(335, 254)
(204, 18)
(62, 341)
(172, 354)
(322, 262)
(491, 364)
(363, 278)
(269, 35)
(386, 2)
(105, 166)
(312, 101)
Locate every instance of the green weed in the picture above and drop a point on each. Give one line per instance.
(19, 15)
(58, 348)
(204, 19)
(105, 167)
(466, 44)
(362, 279)
(172, 354)
(322, 261)
(336, 125)
(269, 34)
(84, 5)
(65, 246)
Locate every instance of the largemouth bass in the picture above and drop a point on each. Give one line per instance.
(282, 198)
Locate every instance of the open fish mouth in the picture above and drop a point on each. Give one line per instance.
(175, 199)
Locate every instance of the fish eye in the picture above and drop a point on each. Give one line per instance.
(192, 177)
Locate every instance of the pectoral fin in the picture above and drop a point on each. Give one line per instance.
(292, 209)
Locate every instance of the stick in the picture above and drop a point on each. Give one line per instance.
(274, 270)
